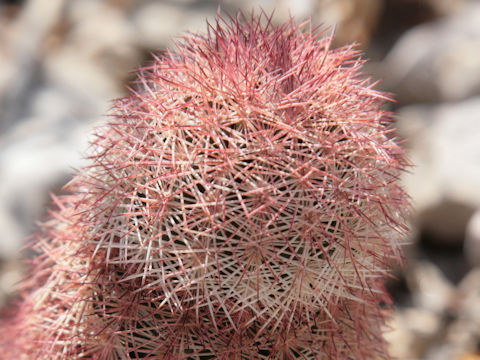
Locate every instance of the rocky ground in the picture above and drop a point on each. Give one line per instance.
(62, 61)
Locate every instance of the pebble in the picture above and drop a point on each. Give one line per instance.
(438, 61)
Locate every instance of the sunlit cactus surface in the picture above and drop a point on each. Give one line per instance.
(243, 202)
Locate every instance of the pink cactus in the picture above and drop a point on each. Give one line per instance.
(242, 203)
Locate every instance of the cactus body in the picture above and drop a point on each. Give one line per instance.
(242, 203)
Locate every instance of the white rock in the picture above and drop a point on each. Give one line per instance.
(400, 337)
(158, 23)
(443, 352)
(431, 290)
(437, 61)
(445, 150)
(37, 156)
(472, 240)
(10, 275)
(411, 332)
(99, 49)
(444, 147)
(66, 89)
(463, 334)
(12, 233)
(101, 33)
(469, 292)
(422, 322)
(21, 51)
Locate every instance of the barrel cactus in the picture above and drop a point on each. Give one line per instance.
(243, 202)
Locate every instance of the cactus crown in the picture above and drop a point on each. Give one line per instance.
(242, 203)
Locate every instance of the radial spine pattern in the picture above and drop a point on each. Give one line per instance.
(242, 203)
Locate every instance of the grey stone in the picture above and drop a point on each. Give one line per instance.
(472, 240)
(443, 144)
(437, 61)
(431, 290)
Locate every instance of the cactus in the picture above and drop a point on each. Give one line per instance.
(243, 202)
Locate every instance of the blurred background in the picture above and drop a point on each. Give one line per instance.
(63, 61)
